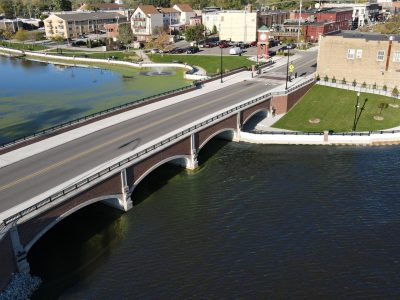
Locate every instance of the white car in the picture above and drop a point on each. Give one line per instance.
(235, 51)
(154, 51)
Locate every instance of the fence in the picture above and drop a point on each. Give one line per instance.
(367, 88)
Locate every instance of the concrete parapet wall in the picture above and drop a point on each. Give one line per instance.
(304, 139)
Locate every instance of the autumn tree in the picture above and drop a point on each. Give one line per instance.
(125, 34)
(6, 7)
(195, 33)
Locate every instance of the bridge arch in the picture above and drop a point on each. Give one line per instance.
(231, 131)
(182, 160)
(258, 111)
(74, 209)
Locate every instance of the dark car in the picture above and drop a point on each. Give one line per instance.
(253, 44)
(209, 45)
(271, 53)
(291, 45)
(223, 45)
(192, 50)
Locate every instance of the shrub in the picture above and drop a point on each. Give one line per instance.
(344, 80)
(318, 78)
(384, 87)
(326, 78)
(354, 83)
(364, 84)
(333, 79)
(395, 92)
(374, 86)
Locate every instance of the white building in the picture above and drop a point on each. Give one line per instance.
(171, 16)
(238, 25)
(186, 12)
(211, 19)
(145, 20)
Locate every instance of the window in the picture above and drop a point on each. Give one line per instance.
(380, 55)
(396, 56)
(350, 53)
(359, 53)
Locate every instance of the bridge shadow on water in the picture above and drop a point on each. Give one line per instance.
(74, 248)
(164, 173)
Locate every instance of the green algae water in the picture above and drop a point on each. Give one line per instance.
(35, 95)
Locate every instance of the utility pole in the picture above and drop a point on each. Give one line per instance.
(298, 32)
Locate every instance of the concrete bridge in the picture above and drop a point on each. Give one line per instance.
(115, 182)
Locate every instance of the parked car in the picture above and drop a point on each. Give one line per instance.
(291, 45)
(154, 51)
(271, 53)
(235, 51)
(192, 50)
(253, 44)
(223, 44)
(209, 45)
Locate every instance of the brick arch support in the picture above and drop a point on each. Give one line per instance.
(203, 136)
(29, 230)
(136, 172)
(251, 111)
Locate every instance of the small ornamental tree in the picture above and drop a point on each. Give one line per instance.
(326, 78)
(333, 79)
(374, 86)
(318, 78)
(344, 81)
(364, 84)
(214, 29)
(395, 92)
(382, 106)
(384, 87)
(354, 83)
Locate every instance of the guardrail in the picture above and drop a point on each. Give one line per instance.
(93, 116)
(332, 133)
(125, 161)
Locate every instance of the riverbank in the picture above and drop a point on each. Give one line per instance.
(190, 74)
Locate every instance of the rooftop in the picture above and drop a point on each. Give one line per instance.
(369, 36)
(90, 16)
(148, 9)
(184, 7)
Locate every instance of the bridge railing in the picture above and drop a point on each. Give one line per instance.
(125, 161)
(94, 115)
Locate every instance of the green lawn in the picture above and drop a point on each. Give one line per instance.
(119, 55)
(209, 63)
(21, 46)
(335, 108)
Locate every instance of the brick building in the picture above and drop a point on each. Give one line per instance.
(372, 58)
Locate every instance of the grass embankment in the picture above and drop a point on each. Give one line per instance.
(211, 64)
(119, 55)
(21, 46)
(335, 108)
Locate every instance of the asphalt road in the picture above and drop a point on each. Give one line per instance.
(34, 175)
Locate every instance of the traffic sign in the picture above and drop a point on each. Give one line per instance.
(291, 68)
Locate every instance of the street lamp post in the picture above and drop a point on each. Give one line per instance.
(221, 62)
(287, 65)
(355, 113)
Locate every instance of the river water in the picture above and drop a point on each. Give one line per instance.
(253, 222)
(35, 95)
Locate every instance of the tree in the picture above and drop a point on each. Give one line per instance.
(22, 35)
(214, 29)
(395, 93)
(62, 5)
(125, 34)
(195, 33)
(6, 7)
